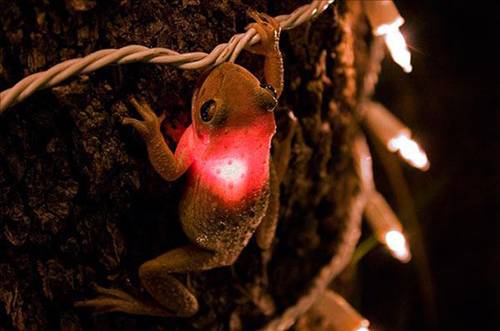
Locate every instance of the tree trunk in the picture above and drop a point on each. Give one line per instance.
(79, 202)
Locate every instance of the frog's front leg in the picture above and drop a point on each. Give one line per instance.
(269, 30)
(168, 165)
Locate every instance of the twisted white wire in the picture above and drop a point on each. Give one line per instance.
(136, 53)
(347, 244)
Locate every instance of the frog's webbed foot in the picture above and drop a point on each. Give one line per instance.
(149, 127)
(114, 300)
(269, 30)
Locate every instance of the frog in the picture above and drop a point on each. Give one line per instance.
(232, 186)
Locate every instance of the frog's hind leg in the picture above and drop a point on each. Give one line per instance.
(166, 289)
(278, 166)
(169, 296)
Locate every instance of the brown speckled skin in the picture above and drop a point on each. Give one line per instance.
(218, 229)
(211, 224)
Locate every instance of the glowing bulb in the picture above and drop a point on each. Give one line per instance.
(386, 226)
(385, 20)
(397, 47)
(384, 29)
(230, 170)
(364, 326)
(328, 3)
(396, 242)
(409, 150)
(337, 314)
(389, 130)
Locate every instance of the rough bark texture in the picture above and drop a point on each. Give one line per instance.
(79, 202)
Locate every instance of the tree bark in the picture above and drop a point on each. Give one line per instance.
(79, 202)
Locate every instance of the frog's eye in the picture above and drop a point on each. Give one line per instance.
(269, 88)
(207, 110)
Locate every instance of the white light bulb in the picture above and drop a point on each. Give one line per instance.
(409, 150)
(364, 326)
(338, 314)
(385, 20)
(396, 44)
(396, 242)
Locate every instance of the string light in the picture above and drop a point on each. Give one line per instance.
(385, 20)
(339, 315)
(383, 221)
(136, 53)
(409, 150)
(400, 53)
(393, 134)
(363, 164)
(396, 242)
(387, 227)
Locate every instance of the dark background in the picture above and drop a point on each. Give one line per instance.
(449, 100)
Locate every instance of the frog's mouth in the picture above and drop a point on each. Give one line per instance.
(269, 88)
(272, 108)
(270, 102)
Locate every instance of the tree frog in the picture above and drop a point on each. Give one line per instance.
(232, 185)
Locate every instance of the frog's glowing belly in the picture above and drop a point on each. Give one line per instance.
(228, 198)
(213, 224)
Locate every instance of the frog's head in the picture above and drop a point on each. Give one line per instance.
(230, 97)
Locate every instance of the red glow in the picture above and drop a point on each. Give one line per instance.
(230, 170)
(175, 127)
(228, 177)
(233, 165)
